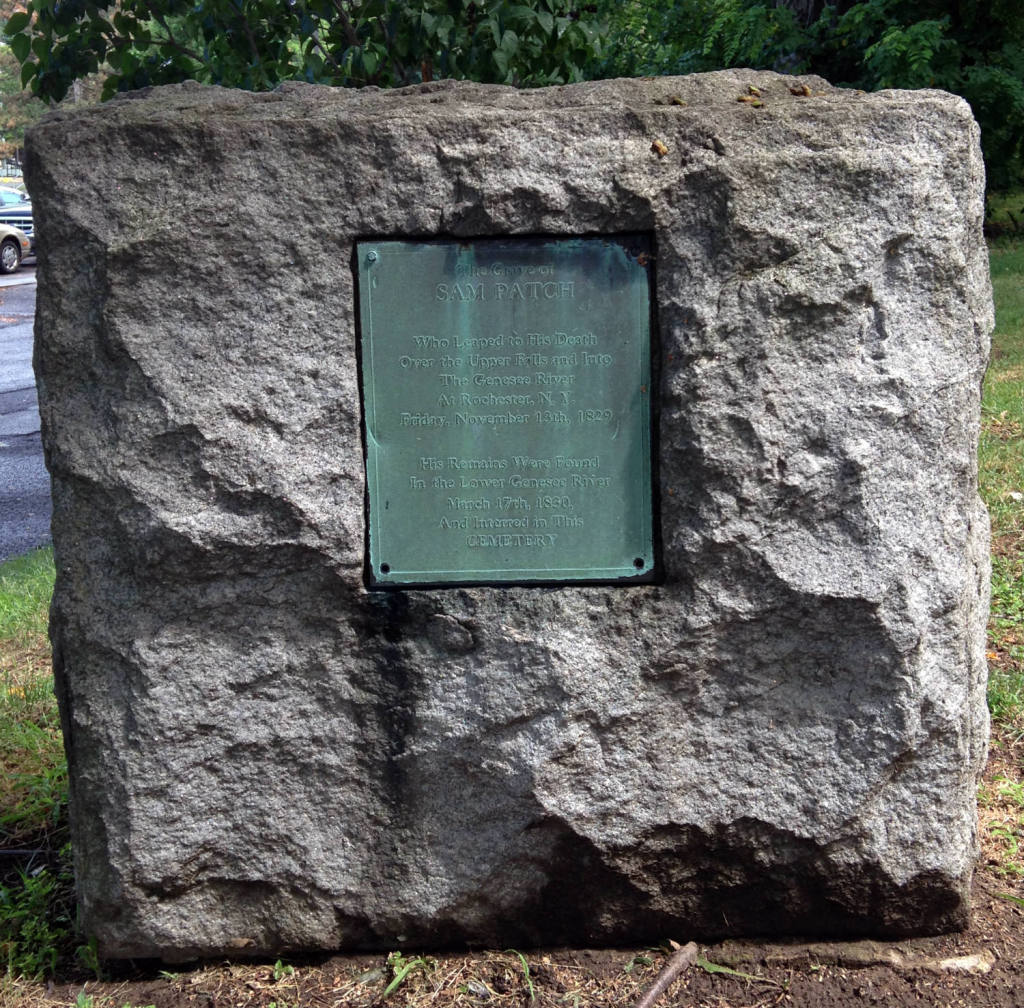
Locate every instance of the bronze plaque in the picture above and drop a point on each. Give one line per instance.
(506, 392)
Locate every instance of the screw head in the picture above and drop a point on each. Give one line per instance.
(371, 257)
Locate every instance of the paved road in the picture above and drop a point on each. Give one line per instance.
(24, 482)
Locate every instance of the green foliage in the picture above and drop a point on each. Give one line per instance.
(36, 908)
(89, 956)
(711, 967)
(1004, 219)
(84, 1000)
(744, 34)
(531, 994)
(912, 55)
(256, 44)
(972, 49)
(401, 966)
(18, 108)
(660, 37)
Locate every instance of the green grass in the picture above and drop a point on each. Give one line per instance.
(32, 777)
(26, 584)
(1001, 479)
(1000, 454)
(36, 894)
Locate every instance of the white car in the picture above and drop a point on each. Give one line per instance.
(14, 246)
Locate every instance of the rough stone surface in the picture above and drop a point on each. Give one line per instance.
(783, 737)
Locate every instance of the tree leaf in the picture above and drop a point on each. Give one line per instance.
(21, 45)
(710, 967)
(509, 42)
(16, 22)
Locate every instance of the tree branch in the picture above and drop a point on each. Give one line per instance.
(323, 50)
(686, 956)
(256, 59)
(171, 40)
(346, 22)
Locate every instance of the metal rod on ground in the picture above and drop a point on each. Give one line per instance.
(681, 958)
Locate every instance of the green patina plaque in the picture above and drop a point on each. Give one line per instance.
(506, 392)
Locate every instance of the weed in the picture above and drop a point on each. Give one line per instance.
(36, 918)
(89, 957)
(526, 972)
(84, 1000)
(401, 967)
(1008, 835)
(281, 970)
(1009, 897)
(710, 967)
(1002, 801)
(1010, 791)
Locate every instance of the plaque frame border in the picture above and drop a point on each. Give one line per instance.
(655, 574)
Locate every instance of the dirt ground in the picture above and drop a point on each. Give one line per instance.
(980, 968)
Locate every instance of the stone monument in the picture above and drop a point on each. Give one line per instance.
(656, 608)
